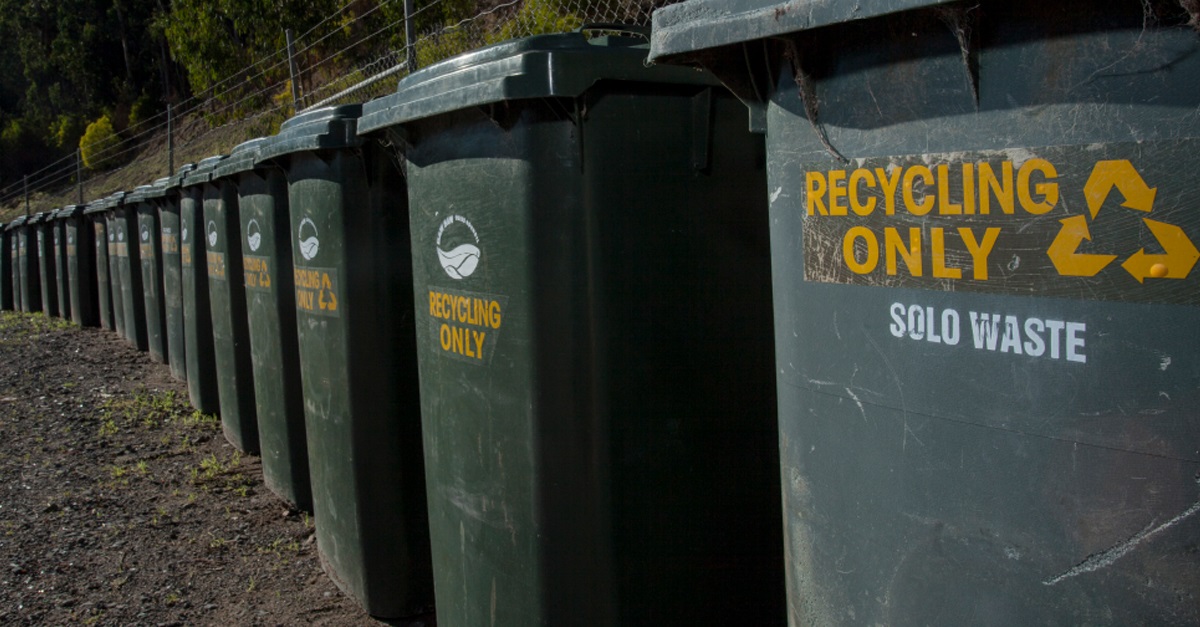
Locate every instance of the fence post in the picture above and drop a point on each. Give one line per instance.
(410, 46)
(26, 194)
(291, 53)
(79, 172)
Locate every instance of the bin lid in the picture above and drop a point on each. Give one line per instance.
(96, 206)
(202, 172)
(176, 179)
(543, 66)
(71, 211)
(327, 128)
(703, 24)
(112, 201)
(140, 193)
(243, 157)
(18, 221)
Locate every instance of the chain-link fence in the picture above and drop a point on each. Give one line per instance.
(357, 53)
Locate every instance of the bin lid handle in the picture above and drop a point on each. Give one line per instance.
(633, 29)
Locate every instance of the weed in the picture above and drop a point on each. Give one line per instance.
(172, 598)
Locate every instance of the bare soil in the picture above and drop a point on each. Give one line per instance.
(120, 505)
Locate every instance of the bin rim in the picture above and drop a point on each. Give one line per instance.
(326, 128)
(141, 193)
(93, 207)
(112, 201)
(243, 157)
(71, 211)
(16, 222)
(202, 172)
(562, 65)
(695, 25)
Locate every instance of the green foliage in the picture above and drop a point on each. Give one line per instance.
(432, 49)
(98, 143)
(538, 17)
(66, 131)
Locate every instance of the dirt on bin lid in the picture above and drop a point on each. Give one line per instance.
(120, 505)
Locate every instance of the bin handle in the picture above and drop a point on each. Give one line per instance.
(641, 31)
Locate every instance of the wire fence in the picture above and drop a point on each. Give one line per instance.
(355, 54)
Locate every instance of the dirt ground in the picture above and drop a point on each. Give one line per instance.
(120, 505)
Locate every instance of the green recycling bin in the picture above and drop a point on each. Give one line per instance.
(27, 266)
(43, 227)
(80, 264)
(97, 216)
(984, 238)
(62, 279)
(6, 272)
(13, 233)
(349, 243)
(197, 315)
(227, 298)
(172, 272)
(592, 296)
(129, 267)
(109, 204)
(270, 304)
(144, 201)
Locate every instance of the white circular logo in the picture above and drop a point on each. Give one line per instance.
(461, 260)
(120, 234)
(253, 235)
(70, 239)
(111, 237)
(145, 233)
(310, 245)
(212, 233)
(183, 234)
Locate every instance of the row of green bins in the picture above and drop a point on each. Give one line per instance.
(594, 335)
(62, 282)
(227, 299)
(42, 225)
(80, 265)
(172, 271)
(109, 205)
(356, 341)
(142, 204)
(270, 313)
(984, 237)
(197, 315)
(98, 224)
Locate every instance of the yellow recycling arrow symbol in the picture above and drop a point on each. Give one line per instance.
(1179, 253)
(1179, 258)
(329, 304)
(1062, 250)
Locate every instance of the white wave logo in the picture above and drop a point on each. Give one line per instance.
(254, 239)
(311, 245)
(145, 234)
(183, 234)
(461, 261)
(212, 233)
(111, 237)
(120, 235)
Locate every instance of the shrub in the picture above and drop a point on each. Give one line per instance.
(98, 144)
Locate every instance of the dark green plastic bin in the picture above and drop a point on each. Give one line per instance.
(62, 277)
(593, 319)
(80, 264)
(27, 265)
(97, 215)
(349, 242)
(13, 233)
(227, 298)
(6, 268)
(197, 315)
(270, 314)
(110, 204)
(43, 232)
(984, 231)
(144, 200)
(172, 271)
